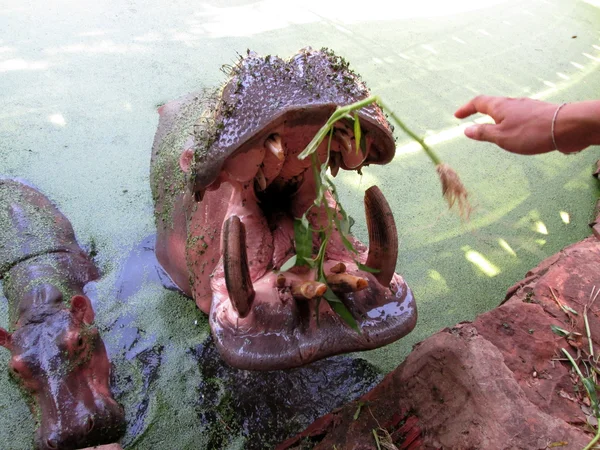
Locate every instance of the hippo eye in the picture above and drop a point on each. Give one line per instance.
(15, 371)
(80, 342)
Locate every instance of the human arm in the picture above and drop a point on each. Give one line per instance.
(525, 125)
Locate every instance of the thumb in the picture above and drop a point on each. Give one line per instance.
(483, 132)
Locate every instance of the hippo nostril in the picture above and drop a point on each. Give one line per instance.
(52, 444)
(89, 424)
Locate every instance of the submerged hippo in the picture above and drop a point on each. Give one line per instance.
(227, 184)
(57, 355)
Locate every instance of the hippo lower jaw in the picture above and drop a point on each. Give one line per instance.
(265, 320)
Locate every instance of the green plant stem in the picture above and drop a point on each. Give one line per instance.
(408, 131)
(574, 364)
(593, 441)
(587, 330)
(376, 439)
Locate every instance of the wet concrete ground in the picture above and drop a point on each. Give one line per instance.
(80, 82)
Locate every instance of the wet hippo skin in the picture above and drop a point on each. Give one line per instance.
(227, 185)
(57, 355)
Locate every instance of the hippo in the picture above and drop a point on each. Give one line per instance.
(57, 355)
(227, 187)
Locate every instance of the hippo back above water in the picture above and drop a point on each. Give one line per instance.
(228, 185)
(57, 355)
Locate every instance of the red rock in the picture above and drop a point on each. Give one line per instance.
(493, 383)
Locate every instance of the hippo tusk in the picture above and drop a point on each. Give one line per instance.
(273, 144)
(307, 290)
(383, 237)
(261, 181)
(345, 283)
(235, 263)
(352, 158)
(343, 139)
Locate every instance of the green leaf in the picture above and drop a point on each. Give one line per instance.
(303, 238)
(336, 304)
(329, 295)
(559, 331)
(348, 244)
(590, 387)
(289, 264)
(357, 133)
(365, 268)
(357, 413)
(351, 223)
(376, 436)
(571, 310)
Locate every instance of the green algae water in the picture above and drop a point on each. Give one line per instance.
(80, 86)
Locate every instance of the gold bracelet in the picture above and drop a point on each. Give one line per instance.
(554, 122)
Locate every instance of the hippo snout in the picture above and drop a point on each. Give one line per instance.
(88, 428)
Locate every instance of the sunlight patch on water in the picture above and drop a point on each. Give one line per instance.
(267, 15)
(430, 49)
(57, 119)
(565, 217)
(540, 227)
(481, 262)
(506, 247)
(21, 64)
(439, 286)
(593, 58)
(106, 46)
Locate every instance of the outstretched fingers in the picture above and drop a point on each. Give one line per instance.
(484, 104)
(483, 132)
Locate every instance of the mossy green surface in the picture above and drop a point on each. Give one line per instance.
(167, 180)
(80, 89)
(29, 225)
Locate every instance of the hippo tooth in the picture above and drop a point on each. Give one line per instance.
(343, 139)
(281, 281)
(261, 181)
(307, 290)
(334, 165)
(338, 268)
(273, 144)
(345, 283)
(235, 263)
(383, 237)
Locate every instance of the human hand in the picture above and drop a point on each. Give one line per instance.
(522, 125)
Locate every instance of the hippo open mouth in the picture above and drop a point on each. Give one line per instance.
(244, 190)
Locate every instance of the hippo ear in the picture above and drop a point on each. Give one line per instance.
(5, 338)
(185, 160)
(81, 308)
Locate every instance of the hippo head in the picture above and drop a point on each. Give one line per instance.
(245, 189)
(58, 357)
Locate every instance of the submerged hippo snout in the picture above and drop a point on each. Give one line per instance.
(101, 424)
